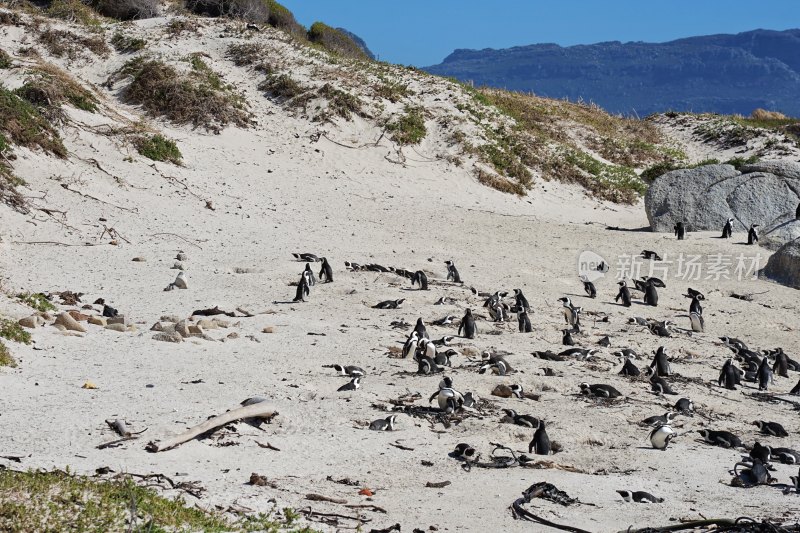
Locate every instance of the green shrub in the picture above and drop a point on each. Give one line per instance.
(158, 148)
(245, 54)
(22, 124)
(739, 162)
(5, 60)
(282, 18)
(409, 128)
(12, 331)
(48, 88)
(393, 91)
(127, 9)
(281, 86)
(127, 45)
(335, 41)
(5, 356)
(196, 98)
(37, 301)
(74, 11)
(341, 103)
(64, 43)
(256, 11)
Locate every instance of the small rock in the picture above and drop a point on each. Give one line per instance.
(207, 324)
(139, 259)
(98, 320)
(168, 337)
(77, 315)
(89, 385)
(180, 281)
(182, 329)
(181, 257)
(119, 319)
(69, 323)
(268, 329)
(131, 328)
(503, 391)
(195, 330)
(60, 327)
(178, 266)
(157, 327)
(29, 322)
(221, 323)
(170, 318)
(233, 335)
(116, 327)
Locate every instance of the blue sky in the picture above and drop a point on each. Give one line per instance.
(423, 32)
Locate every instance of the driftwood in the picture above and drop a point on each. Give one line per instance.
(320, 498)
(257, 410)
(120, 427)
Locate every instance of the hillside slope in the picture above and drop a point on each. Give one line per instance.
(726, 74)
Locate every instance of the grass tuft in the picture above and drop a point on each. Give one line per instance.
(158, 148)
(335, 41)
(23, 125)
(37, 301)
(5, 60)
(198, 97)
(59, 501)
(64, 43)
(73, 11)
(12, 331)
(6, 359)
(408, 128)
(342, 103)
(127, 45)
(48, 88)
(281, 86)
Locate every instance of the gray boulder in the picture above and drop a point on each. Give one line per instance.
(704, 198)
(784, 265)
(775, 236)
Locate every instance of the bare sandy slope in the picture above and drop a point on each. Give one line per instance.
(273, 194)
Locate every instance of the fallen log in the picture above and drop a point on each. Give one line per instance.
(256, 410)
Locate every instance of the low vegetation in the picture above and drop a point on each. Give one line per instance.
(158, 148)
(12, 331)
(651, 173)
(48, 88)
(341, 103)
(37, 301)
(127, 9)
(64, 43)
(74, 11)
(125, 44)
(59, 501)
(5, 60)
(6, 359)
(283, 19)
(246, 54)
(409, 127)
(281, 86)
(392, 91)
(256, 11)
(335, 41)
(22, 124)
(198, 97)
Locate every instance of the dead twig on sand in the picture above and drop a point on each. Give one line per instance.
(331, 519)
(320, 498)
(188, 241)
(256, 410)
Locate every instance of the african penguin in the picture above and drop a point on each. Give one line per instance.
(639, 496)
(419, 278)
(727, 229)
(781, 366)
(389, 304)
(354, 384)
(771, 428)
(448, 399)
(661, 363)
(724, 439)
(629, 369)
(680, 231)
(419, 327)
(684, 405)
(661, 436)
(729, 377)
(521, 301)
(540, 444)
(468, 325)
(325, 271)
(761, 452)
(302, 290)
(351, 371)
(697, 322)
(650, 294)
(752, 234)
(624, 294)
(600, 390)
(452, 272)
(659, 420)
(383, 424)
(309, 275)
(306, 257)
(571, 313)
(566, 337)
(764, 374)
(522, 420)
(411, 344)
(524, 322)
(649, 254)
(588, 287)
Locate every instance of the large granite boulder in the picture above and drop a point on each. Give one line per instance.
(704, 198)
(775, 236)
(784, 265)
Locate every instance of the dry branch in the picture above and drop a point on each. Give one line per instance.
(257, 410)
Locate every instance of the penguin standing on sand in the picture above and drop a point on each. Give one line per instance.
(452, 272)
(727, 229)
(309, 275)
(764, 374)
(521, 301)
(421, 279)
(326, 272)
(660, 363)
(650, 293)
(588, 287)
(540, 444)
(661, 436)
(571, 313)
(420, 329)
(781, 366)
(302, 290)
(729, 376)
(624, 294)
(752, 234)
(524, 322)
(680, 231)
(566, 338)
(468, 325)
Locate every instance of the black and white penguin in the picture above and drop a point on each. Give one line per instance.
(724, 439)
(624, 294)
(729, 376)
(649, 254)
(588, 287)
(796, 479)
(581, 354)
(524, 322)
(752, 234)
(661, 436)
(302, 290)
(660, 329)
(521, 301)
(764, 374)
(786, 456)
(650, 293)
(796, 389)
(468, 325)
(659, 386)
(626, 353)
(464, 452)
(684, 406)
(755, 473)
(444, 341)
(566, 337)
(452, 272)
(761, 452)
(605, 341)
(680, 230)
(309, 275)
(571, 313)
(421, 279)
(771, 428)
(306, 257)
(540, 444)
(448, 399)
(600, 390)
(639, 496)
(389, 304)
(383, 424)
(660, 362)
(351, 371)
(781, 366)
(427, 365)
(697, 322)
(353, 385)
(735, 343)
(659, 420)
(629, 369)
(425, 348)
(522, 420)
(419, 327)
(695, 306)
(727, 229)
(411, 344)
(325, 271)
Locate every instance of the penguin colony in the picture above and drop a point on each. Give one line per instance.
(754, 458)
